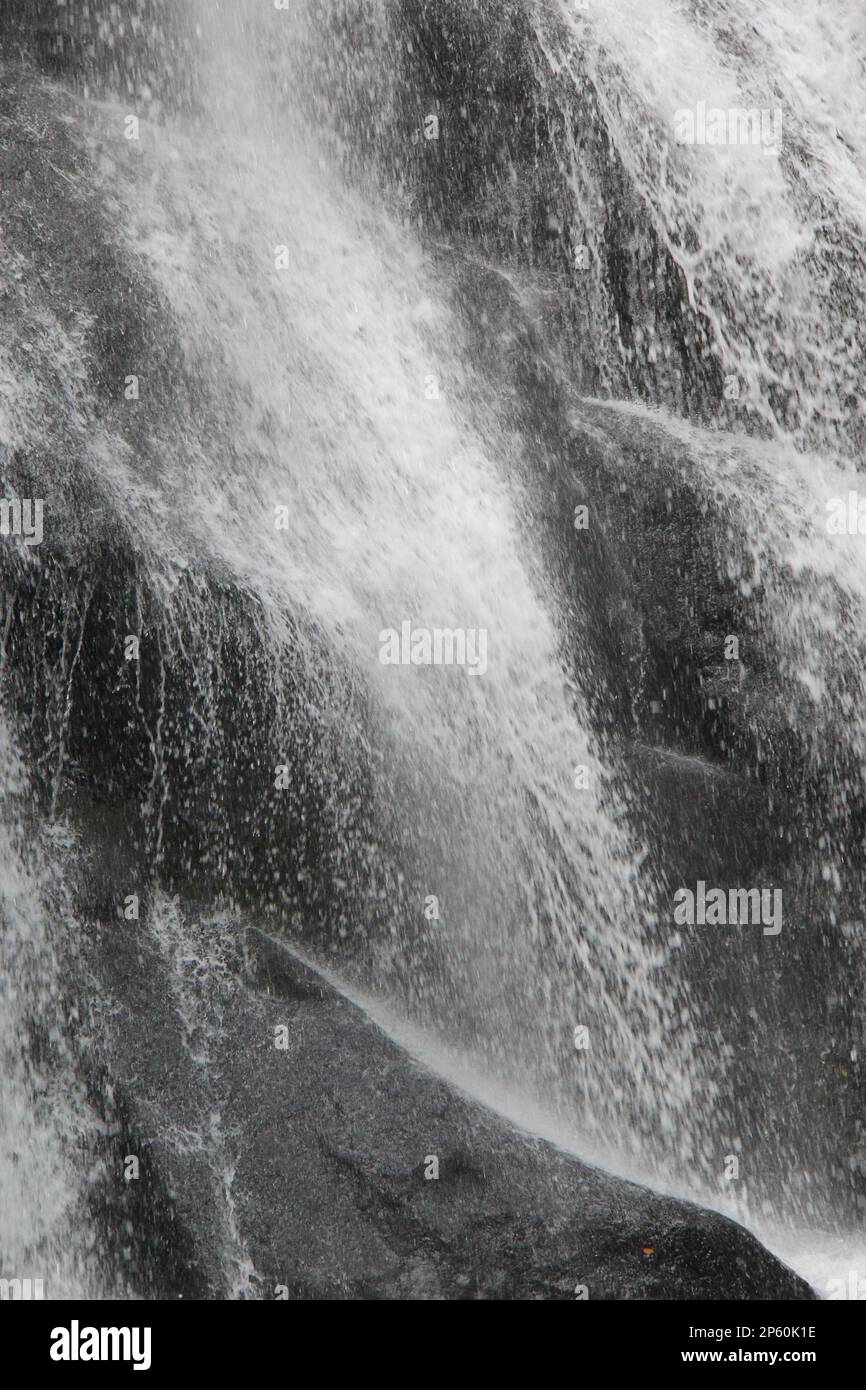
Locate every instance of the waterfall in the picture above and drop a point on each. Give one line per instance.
(333, 322)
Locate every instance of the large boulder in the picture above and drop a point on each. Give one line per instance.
(294, 1150)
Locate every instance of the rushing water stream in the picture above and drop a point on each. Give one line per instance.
(383, 294)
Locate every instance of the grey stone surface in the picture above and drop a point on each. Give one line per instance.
(327, 1143)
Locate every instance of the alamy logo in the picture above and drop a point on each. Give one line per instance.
(22, 516)
(422, 646)
(736, 126)
(75, 1343)
(854, 1290)
(21, 1290)
(736, 907)
(846, 516)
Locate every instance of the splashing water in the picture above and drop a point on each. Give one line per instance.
(324, 375)
(46, 1123)
(770, 243)
(397, 512)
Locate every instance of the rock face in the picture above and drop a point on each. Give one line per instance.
(304, 1167)
(324, 1145)
(727, 765)
(139, 50)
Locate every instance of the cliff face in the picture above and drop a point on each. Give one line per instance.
(159, 764)
(567, 228)
(713, 286)
(493, 132)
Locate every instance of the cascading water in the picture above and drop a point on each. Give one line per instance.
(331, 370)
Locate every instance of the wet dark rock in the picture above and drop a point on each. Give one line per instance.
(310, 1162)
(139, 50)
(627, 327)
(726, 765)
(322, 1148)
